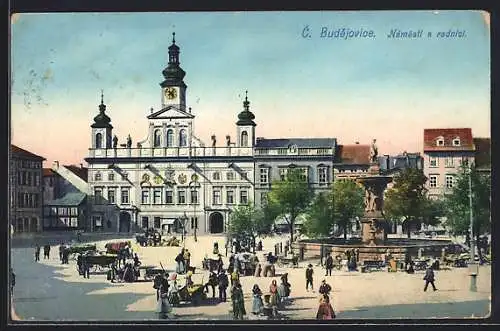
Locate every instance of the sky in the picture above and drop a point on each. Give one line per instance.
(352, 89)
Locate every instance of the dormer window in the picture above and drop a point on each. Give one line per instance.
(456, 141)
(440, 141)
(97, 177)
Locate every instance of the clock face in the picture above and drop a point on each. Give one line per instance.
(170, 93)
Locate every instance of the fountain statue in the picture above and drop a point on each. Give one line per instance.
(373, 221)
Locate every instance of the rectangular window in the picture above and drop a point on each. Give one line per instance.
(216, 197)
(181, 196)
(244, 175)
(97, 220)
(264, 178)
(323, 175)
(282, 174)
(448, 162)
(74, 222)
(19, 178)
(145, 222)
(433, 161)
(243, 197)
(125, 196)
(29, 177)
(169, 196)
(53, 211)
(36, 198)
(157, 222)
(230, 197)
(111, 195)
(98, 195)
(74, 211)
(304, 174)
(194, 197)
(111, 176)
(157, 196)
(449, 181)
(37, 179)
(433, 181)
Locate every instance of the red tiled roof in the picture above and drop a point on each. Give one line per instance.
(48, 172)
(19, 152)
(448, 135)
(353, 154)
(483, 152)
(81, 172)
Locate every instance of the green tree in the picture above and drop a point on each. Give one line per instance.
(289, 198)
(406, 201)
(348, 203)
(457, 203)
(248, 221)
(319, 221)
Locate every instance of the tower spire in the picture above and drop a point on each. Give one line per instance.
(102, 106)
(173, 37)
(246, 103)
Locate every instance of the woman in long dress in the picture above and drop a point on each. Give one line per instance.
(238, 301)
(273, 289)
(163, 307)
(257, 303)
(325, 309)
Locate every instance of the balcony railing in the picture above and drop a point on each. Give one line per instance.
(169, 152)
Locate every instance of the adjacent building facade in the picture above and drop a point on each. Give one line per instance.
(26, 190)
(444, 152)
(65, 205)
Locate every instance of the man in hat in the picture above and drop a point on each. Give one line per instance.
(329, 265)
(429, 278)
(309, 277)
(187, 259)
(37, 253)
(223, 284)
(325, 288)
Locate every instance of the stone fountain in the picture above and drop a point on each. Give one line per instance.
(374, 241)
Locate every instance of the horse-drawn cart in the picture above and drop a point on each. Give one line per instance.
(288, 261)
(150, 272)
(97, 262)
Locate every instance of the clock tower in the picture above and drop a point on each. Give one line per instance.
(173, 88)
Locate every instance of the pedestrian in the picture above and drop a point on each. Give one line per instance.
(180, 262)
(212, 282)
(44, 252)
(325, 288)
(235, 276)
(329, 265)
(309, 277)
(12, 281)
(189, 279)
(429, 278)
(173, 293)
(216, 248)
(187, 259)
(238, 301)
(257, 303)
(223, 284)
(37, 253)
(325, 309)
(61, 249)
(284, 289)
(273, 290)
(259, 245)
(48, 251)
(157, 285)
(86, 269)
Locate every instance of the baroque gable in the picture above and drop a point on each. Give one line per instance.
(171, 112)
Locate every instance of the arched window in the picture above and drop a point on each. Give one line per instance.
(98, 140)
(182, 138)
(157, 138)
(170, 138)
(244, 139)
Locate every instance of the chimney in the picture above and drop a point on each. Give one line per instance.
(190, 110)
(81, 165)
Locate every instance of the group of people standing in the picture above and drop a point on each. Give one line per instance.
(183, 260)
(46, 252)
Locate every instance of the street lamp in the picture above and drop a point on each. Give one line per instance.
(194, 185)
(473, 266)
(184, 219)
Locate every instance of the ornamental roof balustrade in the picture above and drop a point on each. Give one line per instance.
(170, 152)
(300, 152)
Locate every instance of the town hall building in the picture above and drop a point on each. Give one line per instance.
(173, 180)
